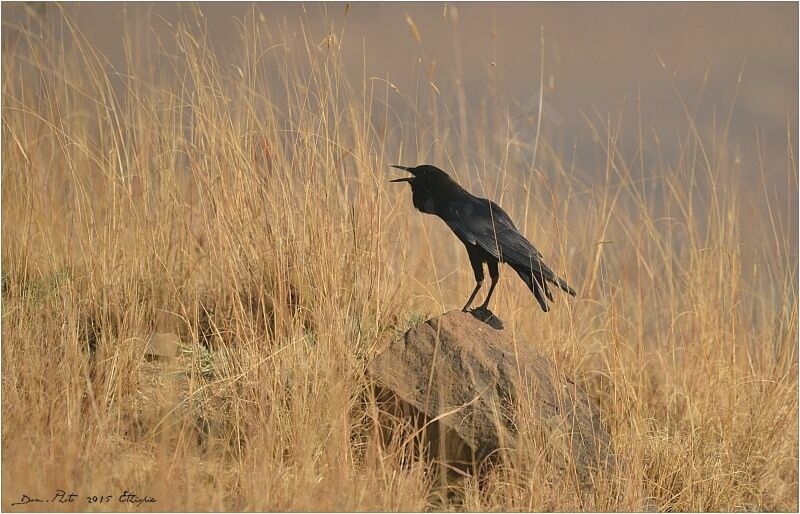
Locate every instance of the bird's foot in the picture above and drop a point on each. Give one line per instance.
(485, 315)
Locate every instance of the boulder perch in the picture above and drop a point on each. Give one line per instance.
(467, 383)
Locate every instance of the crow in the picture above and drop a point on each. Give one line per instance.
(485, 229)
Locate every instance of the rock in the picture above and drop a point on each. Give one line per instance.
(480, 383)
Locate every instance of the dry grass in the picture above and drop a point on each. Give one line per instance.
(241, 203)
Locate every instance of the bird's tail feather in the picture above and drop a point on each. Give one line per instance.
(535, 288)
(562, 284)
(537, 293)
(547, 292)
(547, 275)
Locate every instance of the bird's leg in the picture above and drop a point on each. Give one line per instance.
(477, 268)
(474, 292)
(494, 273)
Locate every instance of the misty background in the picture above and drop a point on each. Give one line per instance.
(637, 71)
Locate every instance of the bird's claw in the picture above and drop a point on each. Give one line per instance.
(486, 316)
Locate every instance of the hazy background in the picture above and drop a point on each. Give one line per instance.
(602, 71)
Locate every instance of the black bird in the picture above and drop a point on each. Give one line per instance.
(485, 229)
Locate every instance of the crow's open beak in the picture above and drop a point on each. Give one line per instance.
(404, 168)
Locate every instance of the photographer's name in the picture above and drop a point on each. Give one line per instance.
(62, 496)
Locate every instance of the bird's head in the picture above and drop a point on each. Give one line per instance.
(423, 176)
(430, 186)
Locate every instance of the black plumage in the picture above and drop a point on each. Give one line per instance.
(487, 232)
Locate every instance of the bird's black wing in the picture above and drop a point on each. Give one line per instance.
(482, 222)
